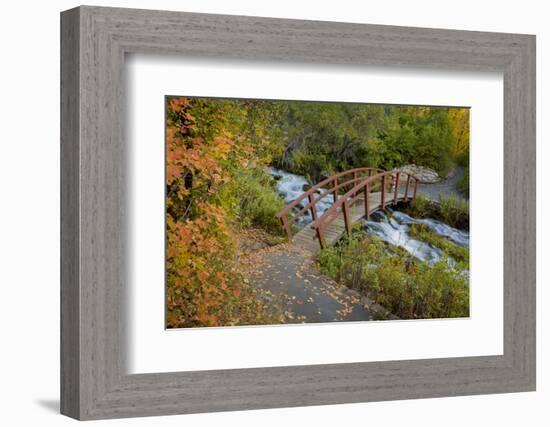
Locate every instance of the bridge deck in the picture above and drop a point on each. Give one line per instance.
(306, 239)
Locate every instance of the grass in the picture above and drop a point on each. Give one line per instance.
(406, 287)
(252, 200)
(452, 210)
(464, 183)
(454, 251)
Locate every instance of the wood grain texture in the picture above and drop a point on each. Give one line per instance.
(70, 297)
(94, 237)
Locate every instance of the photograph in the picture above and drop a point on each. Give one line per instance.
(259, 214)
(292, 212)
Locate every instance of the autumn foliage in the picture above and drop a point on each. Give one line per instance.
(204, 287)
(217, 184)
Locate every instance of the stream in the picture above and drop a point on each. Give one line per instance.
(392, 229)
(291, 186)
(395, 230)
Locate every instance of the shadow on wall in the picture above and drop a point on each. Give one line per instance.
(52, 405)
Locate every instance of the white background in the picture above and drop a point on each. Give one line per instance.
(29, 215)
(153, 349)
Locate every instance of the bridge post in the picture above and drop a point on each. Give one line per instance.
(313, 207)
(321, 237)
(286, 227)
(407, 188)
(395, 195)
(383, 194)
(367, 203)
(335, 193)
(347, 220)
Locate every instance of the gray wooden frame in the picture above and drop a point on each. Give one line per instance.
(94, 41)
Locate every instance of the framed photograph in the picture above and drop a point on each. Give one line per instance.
(261, 213)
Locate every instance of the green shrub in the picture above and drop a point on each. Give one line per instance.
(406, 287)
(422, 207)
(456, 252)
(321, 138)
(452, 210)
(260, 204)
(464, 183)
(251, 199)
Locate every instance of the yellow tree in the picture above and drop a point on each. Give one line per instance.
(459, 119)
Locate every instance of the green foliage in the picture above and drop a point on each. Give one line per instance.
(456, 252)
(406, 287)
(252, 201)
(459, 119)
(420, 135)
(216, 154)
(323, 138)
(452, 210)
(464, 182)
(461, 152)
(422, 207)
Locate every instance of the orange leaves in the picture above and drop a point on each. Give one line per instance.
(179, 104)
(204, 287)
(206, 153)
(182, 121)
(198, 252)
(173, 173)
(202, 161)
(221, 146)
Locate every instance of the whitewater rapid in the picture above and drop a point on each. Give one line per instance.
(395, 230)
(291, 186)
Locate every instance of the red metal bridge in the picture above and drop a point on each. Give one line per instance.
(356, 193)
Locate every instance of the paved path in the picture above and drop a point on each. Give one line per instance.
(288, 280)
(448, 187)
(291, 282)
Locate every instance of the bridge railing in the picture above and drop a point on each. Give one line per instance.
(364, 188)
(329, 186)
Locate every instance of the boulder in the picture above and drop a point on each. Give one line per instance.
(424, 174)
